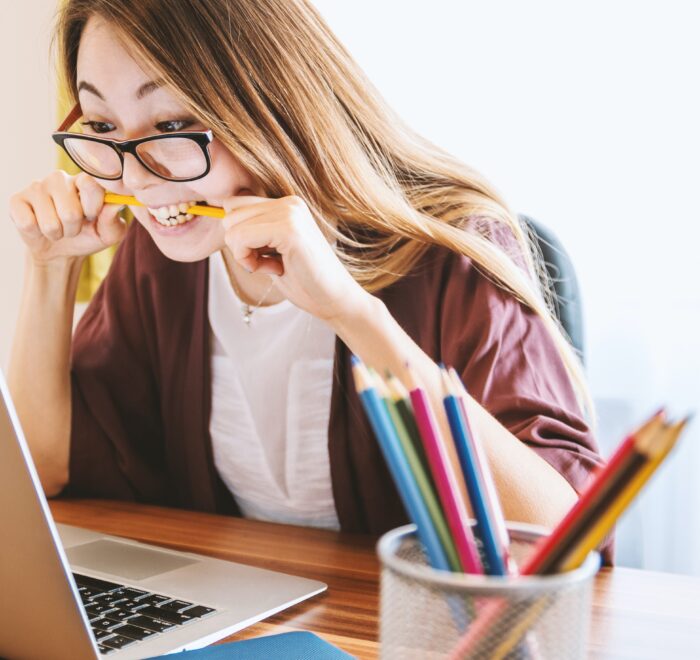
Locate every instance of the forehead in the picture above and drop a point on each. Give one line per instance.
(103, 58)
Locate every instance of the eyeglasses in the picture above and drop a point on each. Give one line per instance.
(171, 156)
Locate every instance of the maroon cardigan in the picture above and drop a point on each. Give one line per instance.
(141, 384)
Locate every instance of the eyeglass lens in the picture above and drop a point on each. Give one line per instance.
(173, 158)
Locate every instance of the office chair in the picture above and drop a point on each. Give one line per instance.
(567, 300)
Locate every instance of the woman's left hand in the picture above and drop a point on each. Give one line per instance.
(309, 273)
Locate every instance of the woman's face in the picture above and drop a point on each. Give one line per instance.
(118, 100)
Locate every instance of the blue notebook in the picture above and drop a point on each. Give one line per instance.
(286, 646)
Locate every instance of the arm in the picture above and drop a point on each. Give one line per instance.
(61, 219)
(534, 485)
(39, 374)
(530, 489)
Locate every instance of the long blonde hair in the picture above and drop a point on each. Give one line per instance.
(278, 89)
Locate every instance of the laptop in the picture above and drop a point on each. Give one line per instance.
(71, 593)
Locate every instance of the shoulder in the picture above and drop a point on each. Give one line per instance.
(446, 282)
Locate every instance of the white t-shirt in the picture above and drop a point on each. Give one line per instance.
(271, 392)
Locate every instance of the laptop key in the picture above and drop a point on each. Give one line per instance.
(119, 615)
(104, 624)
(95, 583)
(152, 599)
(150, 624)
(101, 634)
(89, 592)
(175, 605)
(165, 615)
(124, 603)
(97, 608)
(134, 594)
(118, 642)
(199, 611)
(104, 650)
(134, 632)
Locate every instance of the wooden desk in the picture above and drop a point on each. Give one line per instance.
(637, 614)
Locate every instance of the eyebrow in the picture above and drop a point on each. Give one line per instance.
(142, 91)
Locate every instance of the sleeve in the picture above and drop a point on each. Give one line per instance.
(116, 435)
(511, 365)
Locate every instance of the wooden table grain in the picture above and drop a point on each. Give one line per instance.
(636, 614)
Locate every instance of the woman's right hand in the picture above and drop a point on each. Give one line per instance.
(62, 217)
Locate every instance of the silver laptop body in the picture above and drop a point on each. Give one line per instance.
(41, 612)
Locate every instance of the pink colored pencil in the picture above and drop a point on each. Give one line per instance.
(444, 476)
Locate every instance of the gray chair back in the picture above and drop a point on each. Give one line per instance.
(561, 271)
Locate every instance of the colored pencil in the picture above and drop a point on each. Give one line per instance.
(444, 476)
(420, 475)
(665, 442)
(475, 487)
(398, 466)
(550, 551)
(209, 211)
(402, 399)
(493, 503)
(655, 439)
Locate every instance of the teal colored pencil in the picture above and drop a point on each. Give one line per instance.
(398, 466)
(426, 489)
(485, 526)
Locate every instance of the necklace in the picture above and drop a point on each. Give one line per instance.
(246, 308)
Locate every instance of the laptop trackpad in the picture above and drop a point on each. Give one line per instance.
(124, 560)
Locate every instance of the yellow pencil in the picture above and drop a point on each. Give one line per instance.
(663, 444)
(209, 211)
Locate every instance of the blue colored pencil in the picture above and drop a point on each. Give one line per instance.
(468, 460)
(398, 466)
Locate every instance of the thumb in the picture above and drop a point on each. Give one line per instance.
(110, 226)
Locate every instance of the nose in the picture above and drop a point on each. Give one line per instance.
(135, 176)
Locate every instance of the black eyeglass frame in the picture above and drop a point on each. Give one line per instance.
(202, 138)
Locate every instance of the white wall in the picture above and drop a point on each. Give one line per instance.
(584, 115)
(27, 117)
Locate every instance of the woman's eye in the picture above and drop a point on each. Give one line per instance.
(99, 126)
(173, 125)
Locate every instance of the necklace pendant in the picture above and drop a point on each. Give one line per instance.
(247, 313)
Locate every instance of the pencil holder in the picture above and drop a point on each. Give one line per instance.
(426, 613)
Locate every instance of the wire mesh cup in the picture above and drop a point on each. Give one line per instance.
(426, 613)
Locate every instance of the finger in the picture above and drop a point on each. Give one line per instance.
(23, 216)
(67, 204)
(240, 201)
(246, 239)
(45, 213)
(109, 226)
(91, 194)
(269, 264)
(245, 212)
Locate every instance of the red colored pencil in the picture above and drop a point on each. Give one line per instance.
(542, 558)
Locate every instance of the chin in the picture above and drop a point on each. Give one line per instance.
(185, 253)
(193, 241)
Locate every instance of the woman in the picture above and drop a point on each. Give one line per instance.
(211, 371)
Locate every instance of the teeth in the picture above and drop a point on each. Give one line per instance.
(173, 214)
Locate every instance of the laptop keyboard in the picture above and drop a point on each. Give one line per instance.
(121, 615)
